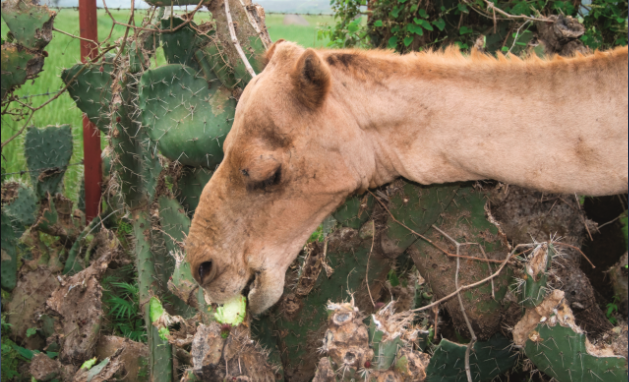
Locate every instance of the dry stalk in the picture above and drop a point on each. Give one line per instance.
(232, 33)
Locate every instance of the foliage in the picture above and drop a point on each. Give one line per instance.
(121, 303)
(612, 309)
(407, 25)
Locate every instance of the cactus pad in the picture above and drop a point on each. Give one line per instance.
(30, 24)
(215, 65)
(8, 241)
(536, 278)
(18, 65)
(23, 208)
(487, 360)
(179, 46)
(188, 118)
(48, 153)
(562, 353)
(354, 213)
(91, 91)
(190, 186)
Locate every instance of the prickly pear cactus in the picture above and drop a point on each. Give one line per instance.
(8, 240)
(190, 186)
(19, 65)
(22, 208)
(180, 46)
(48, 152)
(91, 90)
(188, 117)
(488, 360)
(534, 284)
(355, 212)
(30, 24)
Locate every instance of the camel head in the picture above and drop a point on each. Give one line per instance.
(290, 160)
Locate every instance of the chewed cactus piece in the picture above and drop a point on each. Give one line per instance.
(30, 24)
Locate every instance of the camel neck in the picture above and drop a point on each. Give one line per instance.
(557, 126)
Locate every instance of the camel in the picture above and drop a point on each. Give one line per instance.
(317, 126)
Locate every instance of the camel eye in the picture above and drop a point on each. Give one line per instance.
(205, 269)
(244, 172)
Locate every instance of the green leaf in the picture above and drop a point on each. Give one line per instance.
(504, 49)
(414, 8)
(26, 353)
(395, 29)
(89, 363)
(402, 1)
(439, 23)
(395, 12)
(31, 332)
(392, 43)
(415, 29)
(378, 23)
(424, 23)
(463, 8)
(465, 30)
(408, 40)
(422, 13)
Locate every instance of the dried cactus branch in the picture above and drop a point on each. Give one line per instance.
(232, 33)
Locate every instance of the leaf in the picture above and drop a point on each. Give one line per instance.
(31, 332)
(395, 12)
(26, 353)
(415, 29)
(504, 49)
(392, 43)
(463, 8)
(439, 23)
(378, 23)
(395, 29)
(422, 13)
(402, 1)
(89, 363)
(408, 40)
(425, 24)
(465, 30)
(414, 8)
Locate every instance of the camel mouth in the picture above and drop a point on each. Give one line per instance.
(250, 282)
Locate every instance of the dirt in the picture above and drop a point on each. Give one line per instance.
(43, 368)
(104, 371)
(77, 303)
(134, 355)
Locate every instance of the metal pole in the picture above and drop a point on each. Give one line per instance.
(91, 134)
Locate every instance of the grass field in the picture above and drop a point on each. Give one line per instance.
(64, 51)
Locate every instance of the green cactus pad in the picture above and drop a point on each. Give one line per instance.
(561, 353)
(487, 360)
(384, 352)
(188, 118)
(418, 208)
(355, 212)
(190, 186)
(30, 24)
(8, 241)
(48, 153)
(180, 46)
(536, 278)
(214, 65)
(174, 222)
(18, 65)
(23, 208)
(91, 91)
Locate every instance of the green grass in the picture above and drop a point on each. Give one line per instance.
(64, 51)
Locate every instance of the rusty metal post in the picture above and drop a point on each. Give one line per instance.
(91, 134)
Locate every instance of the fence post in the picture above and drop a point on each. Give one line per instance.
(91, 135)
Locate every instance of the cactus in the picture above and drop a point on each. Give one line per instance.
(463, 219)
(214, 65)
(353, 213)
(181, 123)
(91, 90)
(19, 64)
(562, 353)
(30, 24)
(190, 186)
(536, 275)
(385, 332)
(180, 46)
(487, 360)
(48, 152)
(22, 208)
(8, 240)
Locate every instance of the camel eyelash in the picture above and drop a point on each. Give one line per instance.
(270, 181)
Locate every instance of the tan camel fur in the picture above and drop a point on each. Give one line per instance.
(318, 126)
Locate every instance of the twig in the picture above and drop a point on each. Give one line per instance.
(576, 249)
(73, 36)
(232, 33)
(491, 6)
(517, 34)
(610, 222)
(474, 285)
(430, 241)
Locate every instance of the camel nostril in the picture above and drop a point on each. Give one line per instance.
(204, 269)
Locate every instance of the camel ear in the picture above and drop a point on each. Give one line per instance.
(311, 78)
(269, 52)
